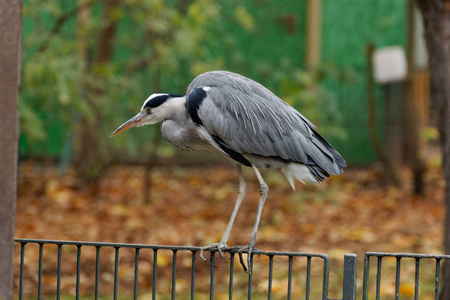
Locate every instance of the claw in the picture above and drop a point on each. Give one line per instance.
(239, 250)
(245, 249)
(220, 252)
(219, 246)
(201, 254)
(249, 259)
(241, 260)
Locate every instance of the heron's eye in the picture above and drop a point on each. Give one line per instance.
(148, 110)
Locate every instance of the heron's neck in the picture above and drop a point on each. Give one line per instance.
(175, 109)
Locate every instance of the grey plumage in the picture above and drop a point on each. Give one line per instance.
(252, 120)
(240, 119)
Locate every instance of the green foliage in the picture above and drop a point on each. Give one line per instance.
(158, 46)
(58, 81)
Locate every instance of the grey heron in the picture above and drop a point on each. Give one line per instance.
(238, 118)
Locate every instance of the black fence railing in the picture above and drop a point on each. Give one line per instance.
(53, 272)
(433, 264)
(86, 270)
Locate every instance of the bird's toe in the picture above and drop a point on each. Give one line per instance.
(220, 247)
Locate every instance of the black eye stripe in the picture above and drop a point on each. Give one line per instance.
(160, 99)
(157, 101)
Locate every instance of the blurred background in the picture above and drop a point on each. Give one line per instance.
(88, 65)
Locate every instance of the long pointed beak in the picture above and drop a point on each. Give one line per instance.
(133, 122)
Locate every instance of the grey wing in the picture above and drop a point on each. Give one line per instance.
(250, 119)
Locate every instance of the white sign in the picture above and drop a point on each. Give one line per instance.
(389, 64)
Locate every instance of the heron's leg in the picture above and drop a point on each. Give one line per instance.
(263, 190)
(241, 194)
(240, 197)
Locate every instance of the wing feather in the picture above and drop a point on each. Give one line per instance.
(252, 120)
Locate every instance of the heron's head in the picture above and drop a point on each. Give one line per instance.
(153, 111)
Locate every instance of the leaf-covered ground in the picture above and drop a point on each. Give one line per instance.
(351, 213)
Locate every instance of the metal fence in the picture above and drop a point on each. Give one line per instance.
(81, 270)
(416, 259)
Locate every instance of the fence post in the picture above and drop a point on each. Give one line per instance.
(350, 269)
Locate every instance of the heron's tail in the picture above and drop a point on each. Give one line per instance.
(302, 172)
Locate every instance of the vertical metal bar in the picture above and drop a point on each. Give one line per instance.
(269, 288)
(212, 258)
(174, 272)
(350, 271)
(97, 270)
(308, 277)
(378, 277)
(194, 255)
(397, 278)
(230, 285)
(416, 280)
(41, 249)
(326, 277)
(366, 277)
(136, 273)
(22, 262)
(250, 278)
(77, 288)
(155, 265)
(116, 270)
(58, 274)
(436, 279)
(289, 291)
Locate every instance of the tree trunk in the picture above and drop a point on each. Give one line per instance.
(412, 136)
(10, 55)
(436, 16)
(90, 161)
(105, 43)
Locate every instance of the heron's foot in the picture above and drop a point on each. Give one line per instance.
(215, 246)
(244, 249)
